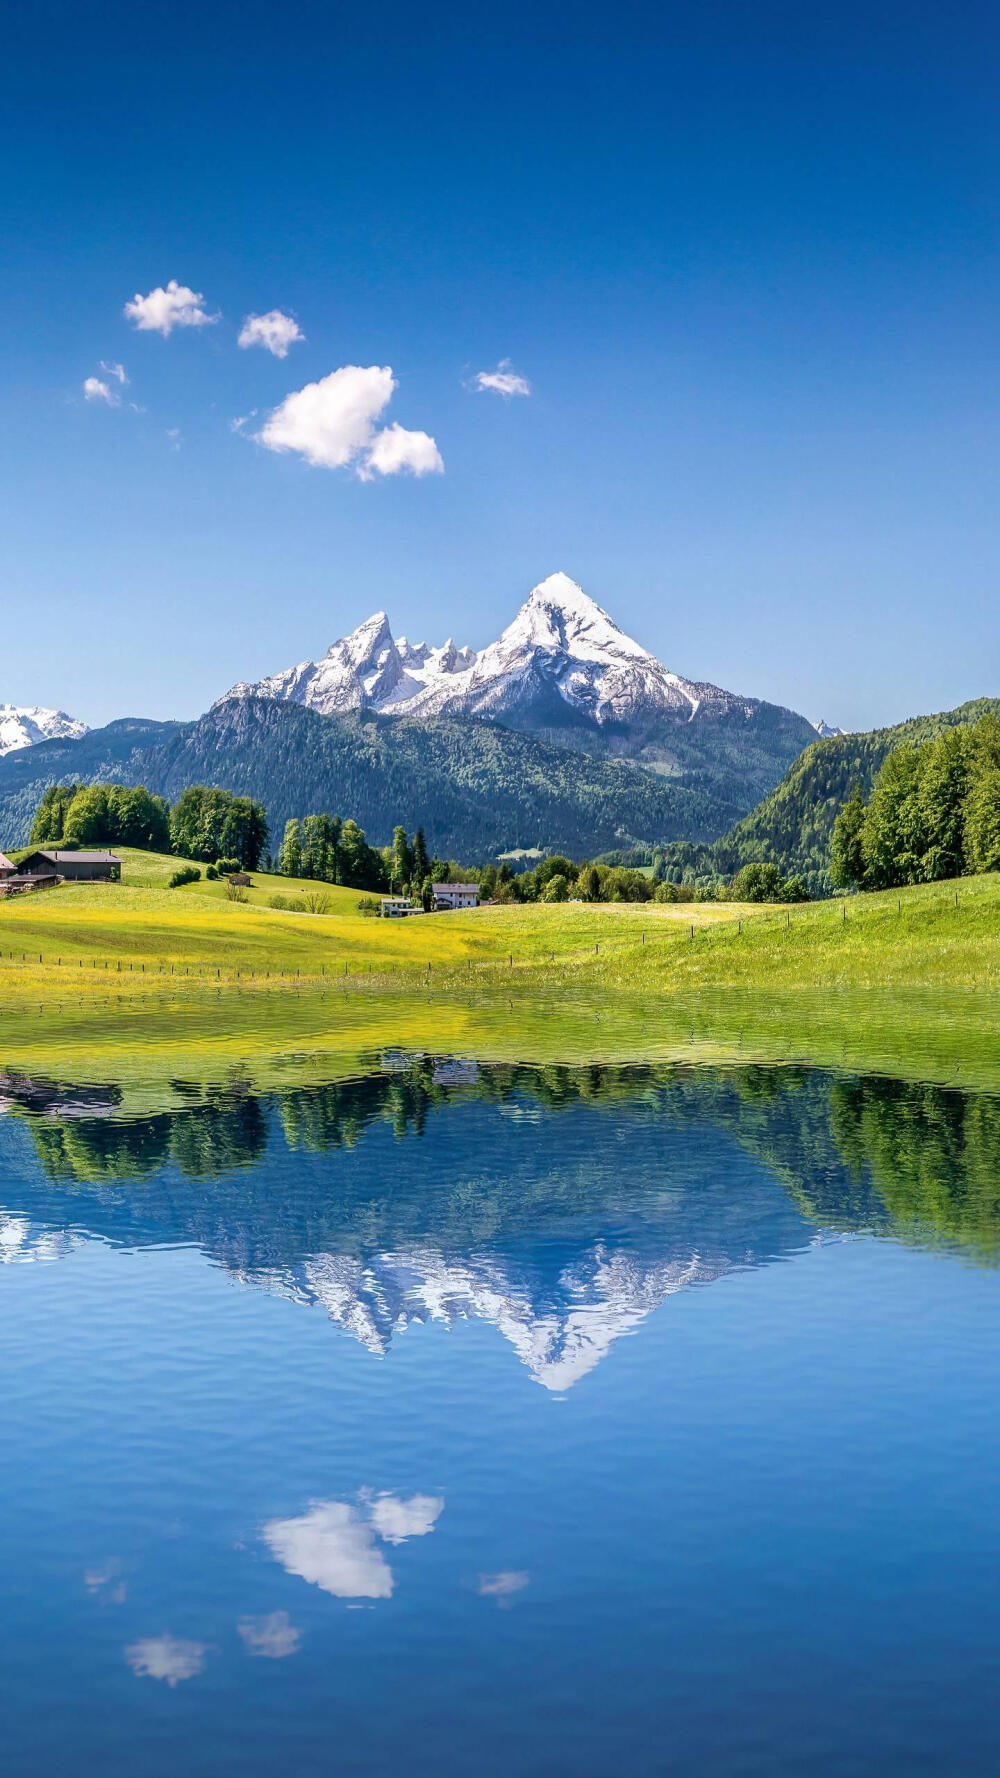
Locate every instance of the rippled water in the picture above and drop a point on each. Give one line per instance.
(451, 1419)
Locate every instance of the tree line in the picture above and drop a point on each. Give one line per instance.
(333, 850)
(933, 812)
(203, 823)
(218, 828)
(559, 879)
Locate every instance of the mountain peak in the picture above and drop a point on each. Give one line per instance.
(562, 663)
(24, 725)
(559, 616)
(558, 589)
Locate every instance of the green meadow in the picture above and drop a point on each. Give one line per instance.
(148, 983)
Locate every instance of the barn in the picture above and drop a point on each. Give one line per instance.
(73, 867)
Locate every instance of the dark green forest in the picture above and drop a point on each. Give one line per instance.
(793, 826)
(934, 812)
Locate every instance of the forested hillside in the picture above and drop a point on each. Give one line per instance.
(793, 826)
(478, 789)
(109, 755)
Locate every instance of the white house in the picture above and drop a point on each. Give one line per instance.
(397, 907)
(455, 895)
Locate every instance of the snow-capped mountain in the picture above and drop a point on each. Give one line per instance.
(601, 1295)
(23, 725)
(825, 732)
(562, 662)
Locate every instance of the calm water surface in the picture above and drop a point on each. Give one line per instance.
(454, 1420)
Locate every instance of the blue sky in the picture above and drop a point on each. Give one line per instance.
(745, 257)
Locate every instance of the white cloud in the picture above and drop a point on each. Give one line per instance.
(115, 370)
(163, 310)
(166, 1657)
(272, 1637)
(174, 435)
(332, 1547)
(502, 381)
(395, 450)
(395, 1520)
(504, 1585)
(332, 424)
(105, 1583)
(274, 331)
(95, 389)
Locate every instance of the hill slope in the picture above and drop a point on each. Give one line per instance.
(793, 825)
(477, 788)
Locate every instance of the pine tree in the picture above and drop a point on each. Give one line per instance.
(421, 867)
(290, 856)
(315, 846)
(400, 858)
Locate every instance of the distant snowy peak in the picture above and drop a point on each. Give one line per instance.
(559, 1336)
(562, 660)
(24, 725)
(825, 732)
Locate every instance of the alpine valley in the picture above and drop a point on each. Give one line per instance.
(564, 733)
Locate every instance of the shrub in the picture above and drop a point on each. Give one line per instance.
(666, 892)
(369, 907)
(316, 902)
(188, 873)
(211, 873)
(227, 867)
(235, 892)
(287, 904)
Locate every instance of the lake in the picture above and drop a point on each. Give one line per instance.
(449, 1418)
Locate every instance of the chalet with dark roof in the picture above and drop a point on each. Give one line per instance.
(72, 867)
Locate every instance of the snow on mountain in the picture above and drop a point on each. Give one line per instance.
(602, 1295)
(562, 660)
(25, 725)
(825, 732)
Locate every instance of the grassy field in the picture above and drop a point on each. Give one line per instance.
(196, 930)
(138, 976)
(940, 934)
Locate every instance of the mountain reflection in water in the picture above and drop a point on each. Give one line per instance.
(560, 1206)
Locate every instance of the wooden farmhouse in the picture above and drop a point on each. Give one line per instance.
(71, 867)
